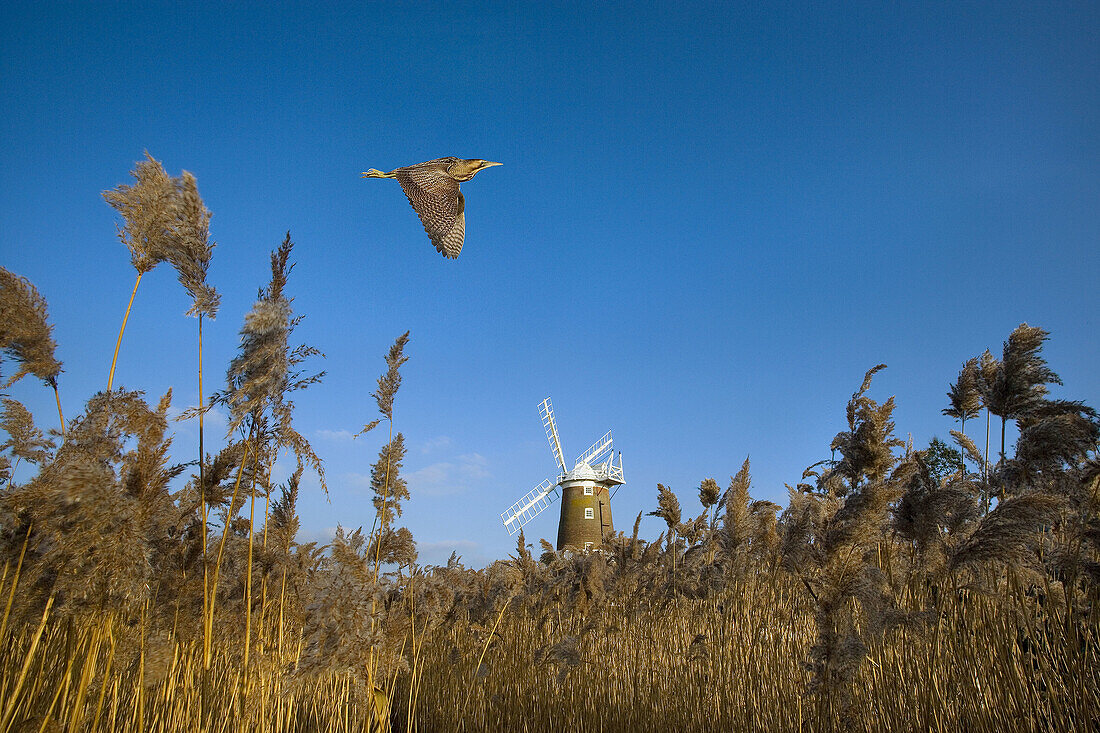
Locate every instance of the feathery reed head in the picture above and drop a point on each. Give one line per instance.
(708, 493)
(1017, 383)
(737, 527)
(25, 333)
(1009, 531)
(389, 382)
(264, 372)
(964, 396)
(668, 507)
(193, 248)
(385, 480)
(865, 448)
(25, 441)
(150, 210)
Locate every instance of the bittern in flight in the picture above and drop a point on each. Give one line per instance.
(432, 189)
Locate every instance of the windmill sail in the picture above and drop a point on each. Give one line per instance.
(596, 451)
(530, 506)
(546, 411)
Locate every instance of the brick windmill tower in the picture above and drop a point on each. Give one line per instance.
(585, 491)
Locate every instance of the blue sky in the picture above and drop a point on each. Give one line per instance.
(710, 222)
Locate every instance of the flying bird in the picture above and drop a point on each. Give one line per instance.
(432, 189)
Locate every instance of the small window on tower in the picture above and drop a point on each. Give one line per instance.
(589, 513)
(588, 491)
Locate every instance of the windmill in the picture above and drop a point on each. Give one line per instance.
(584, 491)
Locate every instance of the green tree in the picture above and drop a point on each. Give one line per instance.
(942, 460)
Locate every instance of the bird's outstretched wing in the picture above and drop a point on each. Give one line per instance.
(452, 242)
(437, 201)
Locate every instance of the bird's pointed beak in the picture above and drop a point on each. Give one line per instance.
(489, 164)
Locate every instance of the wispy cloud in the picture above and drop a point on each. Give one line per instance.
(339, 436)
(356, 482)
(214, 421)
(456, 476)
(437, 443)
(450, 477)
(320, 536)
(285, 465)
(437, 553)
(461, 545)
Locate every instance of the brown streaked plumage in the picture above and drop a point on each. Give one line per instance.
(432, 189)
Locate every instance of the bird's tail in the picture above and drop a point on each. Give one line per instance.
(374, 173)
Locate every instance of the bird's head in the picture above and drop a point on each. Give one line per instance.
(465, 169)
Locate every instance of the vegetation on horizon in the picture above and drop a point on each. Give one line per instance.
(900, 589)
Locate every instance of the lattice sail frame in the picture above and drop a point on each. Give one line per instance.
(596, 451)
(546, 412)
(533, 503)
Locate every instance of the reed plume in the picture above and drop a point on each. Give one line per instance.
(25, 442)
(1017, 384)
(934, 510)
(964, 396)
(668, 507)
(386, 483)
(389, 488)
(26, 334)
(1009, 532)
(865, 448)
(192, 248)
(737, 526)
(709, 494)
(390, 382)
(265, 371)
(97, 510)
(150, 212)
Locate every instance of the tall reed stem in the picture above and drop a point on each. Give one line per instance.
(209, 621)
(263, 580)
(204, 691)
(378, 545)
(57, 397)
(14, 583)
(488, 640)
(248, 576)
(13, 694)
(118, 344)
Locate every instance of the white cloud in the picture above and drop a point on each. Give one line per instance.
(285, 465)
(354, 481)
(320, 536)
(437, 553)
(476, 462)
(460, 545)
(214, 421)
(437, 443)
(339, 436)
(449, 477)
(215, 418)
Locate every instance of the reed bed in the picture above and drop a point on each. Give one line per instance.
(900, 589)
(96, 676)
(639, 672)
